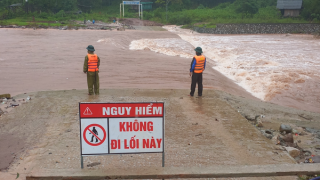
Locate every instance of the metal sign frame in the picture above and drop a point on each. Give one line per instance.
(97, 114)
(131, 3)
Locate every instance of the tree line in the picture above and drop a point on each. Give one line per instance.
(310, 10)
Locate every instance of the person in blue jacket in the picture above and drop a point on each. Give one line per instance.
(198, 65)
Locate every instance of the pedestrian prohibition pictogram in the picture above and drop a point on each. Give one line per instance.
(92, 136)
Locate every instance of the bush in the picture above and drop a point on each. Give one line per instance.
(60, 14)
(268, 13)
(180, 19)
(187, 26)
(247, 6)
(201, 6)
(222, 5)
(311, 9)
(158, 13)
(43, 15)
(147, 15)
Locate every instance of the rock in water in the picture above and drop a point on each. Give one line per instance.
(286, 128)
(293, 151)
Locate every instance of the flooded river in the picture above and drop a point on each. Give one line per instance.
(264, 65)
(284, 69)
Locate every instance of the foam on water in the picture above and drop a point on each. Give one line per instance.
(264, 65)
(112, 41)
(168, 46)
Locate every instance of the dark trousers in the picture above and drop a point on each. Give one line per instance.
(196, 78)
(93, 82)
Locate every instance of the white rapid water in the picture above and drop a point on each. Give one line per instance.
(264, 65)
(112, 41)
(168, 46)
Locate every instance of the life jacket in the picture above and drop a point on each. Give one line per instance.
(92, 63)
(200, 60)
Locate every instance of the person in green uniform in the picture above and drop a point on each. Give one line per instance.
(91, 68)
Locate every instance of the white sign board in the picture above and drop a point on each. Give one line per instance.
(121, 128)
(136, 135)
(94, 136)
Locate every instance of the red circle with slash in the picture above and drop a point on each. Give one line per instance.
(101, 140)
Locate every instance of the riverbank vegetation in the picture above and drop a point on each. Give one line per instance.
(203, 13)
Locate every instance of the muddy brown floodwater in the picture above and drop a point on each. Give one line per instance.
(47, 65)
(41, 60)
(34, 60)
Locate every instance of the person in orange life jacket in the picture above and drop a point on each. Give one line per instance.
(91, 68)
(198, 65)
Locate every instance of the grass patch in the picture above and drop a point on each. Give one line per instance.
(205, 25)
(228, 15)
(187, 26)
(30, 24)
(28, 21)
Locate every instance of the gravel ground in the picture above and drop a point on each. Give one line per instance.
(198, 132)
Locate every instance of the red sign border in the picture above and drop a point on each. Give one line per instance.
(111, 116)
(163, 121)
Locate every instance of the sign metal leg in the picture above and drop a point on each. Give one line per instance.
(163, 160)
(81, 162)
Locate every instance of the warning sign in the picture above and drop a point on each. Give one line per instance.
(118, 128)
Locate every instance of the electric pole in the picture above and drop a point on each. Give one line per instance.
(27, 7)
(167, 2)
